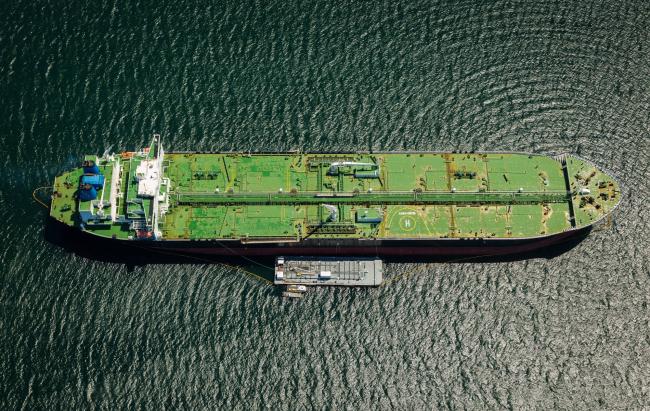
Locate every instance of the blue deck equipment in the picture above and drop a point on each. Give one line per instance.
(87, 193)
(97, 181)
(90, 167)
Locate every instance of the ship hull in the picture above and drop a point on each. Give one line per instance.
(385, 248)
(398, 204)
(382, 248)
(96, 247)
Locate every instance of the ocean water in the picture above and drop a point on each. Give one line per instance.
(553, 76)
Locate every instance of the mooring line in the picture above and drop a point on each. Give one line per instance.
(206, 260)
(36, 198)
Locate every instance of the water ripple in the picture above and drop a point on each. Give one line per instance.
(545, 76)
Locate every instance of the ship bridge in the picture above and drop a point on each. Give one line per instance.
(127, 202)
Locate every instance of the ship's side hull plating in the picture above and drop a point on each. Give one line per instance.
(381, 248)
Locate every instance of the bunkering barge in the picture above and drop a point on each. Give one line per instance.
(370, 204)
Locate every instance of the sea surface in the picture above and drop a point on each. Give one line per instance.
(569, 332)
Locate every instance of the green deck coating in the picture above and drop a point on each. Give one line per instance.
(292, 196)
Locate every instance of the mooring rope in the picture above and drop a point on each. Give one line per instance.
(206, 260)
(37, 199)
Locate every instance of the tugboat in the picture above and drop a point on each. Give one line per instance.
(294, 291)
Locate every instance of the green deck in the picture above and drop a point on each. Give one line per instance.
(281, 197)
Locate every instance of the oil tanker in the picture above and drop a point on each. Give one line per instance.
(358, 204)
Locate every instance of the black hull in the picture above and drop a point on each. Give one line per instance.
(383, 248)
(146, 251)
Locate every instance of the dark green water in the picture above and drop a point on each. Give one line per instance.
(538, 76)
